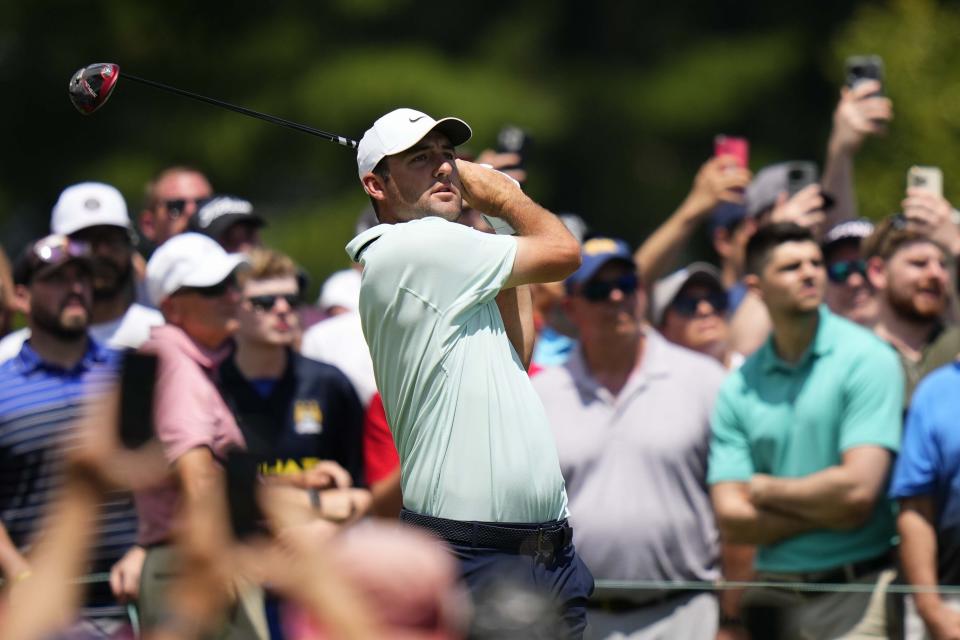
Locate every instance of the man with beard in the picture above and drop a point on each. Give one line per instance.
(42, 390)
(96, 214)
(907, 270)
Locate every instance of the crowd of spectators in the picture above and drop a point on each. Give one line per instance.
(778, 415)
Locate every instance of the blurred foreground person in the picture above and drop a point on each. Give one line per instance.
(231, 221)
(804, 435)
(42, 391)
(630, 410)
(172, 198)
(926, 481)
(690, 309)
(848, 291)
(908, 271)
(449, 326)
(192, 279)
(95, 213)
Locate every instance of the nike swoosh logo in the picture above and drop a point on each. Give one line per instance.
(415, 119)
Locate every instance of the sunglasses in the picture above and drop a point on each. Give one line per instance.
(686, 305)
(268, 301)
(213, 291)
(57, 248)
(839, 271)
(600, 290)
(176, 206)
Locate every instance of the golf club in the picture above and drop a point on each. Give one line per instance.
(91, 86)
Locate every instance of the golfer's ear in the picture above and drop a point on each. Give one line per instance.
(374, 185)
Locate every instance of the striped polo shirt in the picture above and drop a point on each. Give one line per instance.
(39, 404)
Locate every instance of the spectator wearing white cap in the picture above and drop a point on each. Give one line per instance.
(848, 293)
(690, 309)
(96, 214)
(340, 293)
(192, 280)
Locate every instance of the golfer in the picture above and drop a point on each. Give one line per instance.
(447, 326)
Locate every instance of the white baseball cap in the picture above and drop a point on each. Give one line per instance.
(188, 260)
(401, 129)
(342, 289)
(89, 204)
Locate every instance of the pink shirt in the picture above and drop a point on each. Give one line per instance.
(188, 413)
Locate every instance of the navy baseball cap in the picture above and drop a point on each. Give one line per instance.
(597, 252)
(726, 215)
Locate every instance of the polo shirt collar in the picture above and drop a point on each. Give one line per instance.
(823, 343)
(356, 246)
(204, 356)
(29, 360)
(654, 364)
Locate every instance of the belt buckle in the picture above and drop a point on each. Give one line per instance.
(545, 548)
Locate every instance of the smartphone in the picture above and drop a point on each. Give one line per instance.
(138, 378)
(739, 148)
(513, 139)
(860, 68)
(927, 178)
(242, 471)
(800, 174)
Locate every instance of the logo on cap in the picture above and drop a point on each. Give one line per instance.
(91, 203)
(415, 119)
(595, 246)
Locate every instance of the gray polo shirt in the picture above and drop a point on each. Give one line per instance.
(635, 465)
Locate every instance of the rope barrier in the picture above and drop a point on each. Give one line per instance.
(624, 587)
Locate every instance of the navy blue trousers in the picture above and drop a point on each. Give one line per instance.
(563, 577)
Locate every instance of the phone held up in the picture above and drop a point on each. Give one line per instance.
(739, 148)
(138, 377)
(860, 68)
(926, 178)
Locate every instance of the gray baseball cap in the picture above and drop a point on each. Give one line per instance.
(666, 289)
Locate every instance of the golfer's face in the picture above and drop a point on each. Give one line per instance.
(424, 180)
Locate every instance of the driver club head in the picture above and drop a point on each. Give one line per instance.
(91, 86)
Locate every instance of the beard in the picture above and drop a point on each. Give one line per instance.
(904, 306)
(54, 324)
(109, 280)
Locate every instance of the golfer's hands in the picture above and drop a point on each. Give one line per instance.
(125, 574)
(485, 189)
(502, 162)
(859, 115)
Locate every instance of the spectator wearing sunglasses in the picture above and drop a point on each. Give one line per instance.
(907, 269)
(301, 418)
(690, 309)
(631, 416)
(848, 293)
(95, 213)
(172, 198)
(192, 280)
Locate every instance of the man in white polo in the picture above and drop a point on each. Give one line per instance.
(450, 329)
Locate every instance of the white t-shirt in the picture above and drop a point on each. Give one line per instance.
(339, 341)
(473, 437)
(128, 331)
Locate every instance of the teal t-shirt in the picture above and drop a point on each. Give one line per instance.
(792, 420)
(472, 434)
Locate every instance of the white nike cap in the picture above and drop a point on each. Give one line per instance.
(188, 260)
(401, 129)
(89, 204)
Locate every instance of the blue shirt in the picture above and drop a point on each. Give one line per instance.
(39, 404)
(929, 462)
(552, 348)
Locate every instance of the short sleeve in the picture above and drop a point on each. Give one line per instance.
(730, 459)
(873, 401)
(918, 465)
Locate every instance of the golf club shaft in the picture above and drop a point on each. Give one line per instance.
(346, 142)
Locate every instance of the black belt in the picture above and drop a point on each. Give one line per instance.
(619, 605)
(846, 573)
(535, 539)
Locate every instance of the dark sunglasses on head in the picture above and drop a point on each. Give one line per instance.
(176, 206)
(213, 291)
(268, 301)
(600, 290)
(839, 271)
(686, 305)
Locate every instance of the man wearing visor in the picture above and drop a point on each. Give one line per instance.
(450, 335)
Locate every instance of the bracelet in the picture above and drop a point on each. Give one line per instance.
(314, 495)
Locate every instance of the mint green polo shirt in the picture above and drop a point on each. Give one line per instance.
(472, 434)
(792, 420)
